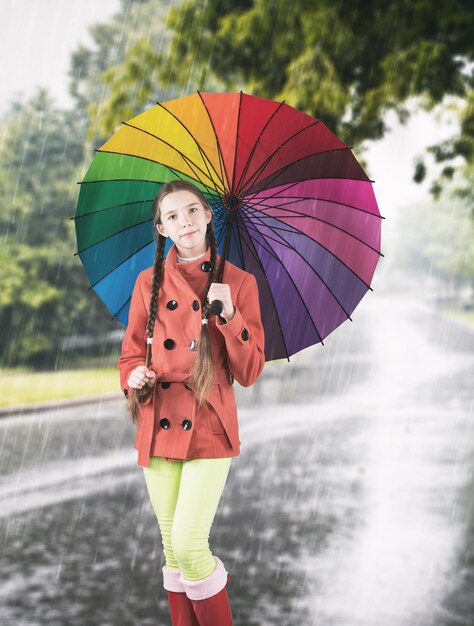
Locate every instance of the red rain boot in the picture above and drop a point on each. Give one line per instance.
(181, 608)
(209, 597)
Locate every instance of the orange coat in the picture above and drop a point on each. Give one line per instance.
(170, 424)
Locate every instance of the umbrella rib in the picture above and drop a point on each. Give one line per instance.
(136, 156)
(122, 307)
(187, 160)
(294, 199)
(236, 142)
(259, 263)
(264, 164)
(114, 206)
(219, 150)
(121, 263)
(314, 270)
(296, 232)
(108, 208)
(197, 145)
(117, 233)
(273, 254)
(112, 235)
(277, 173)
(313, 217)
(250, 157)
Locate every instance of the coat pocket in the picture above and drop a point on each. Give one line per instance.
(215, 423)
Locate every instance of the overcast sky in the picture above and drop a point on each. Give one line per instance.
(38, 37)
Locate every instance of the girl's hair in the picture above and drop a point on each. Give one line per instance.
(202, 372)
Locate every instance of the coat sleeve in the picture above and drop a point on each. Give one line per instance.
(134, 340)
(244, 335)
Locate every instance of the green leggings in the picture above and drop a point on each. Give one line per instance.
(185, 496)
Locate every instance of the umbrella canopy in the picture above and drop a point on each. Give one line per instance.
(291, 205)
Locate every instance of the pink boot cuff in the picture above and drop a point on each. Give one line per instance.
(172, 579)
(209, 586)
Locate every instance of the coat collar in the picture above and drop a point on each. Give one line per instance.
(191, 268)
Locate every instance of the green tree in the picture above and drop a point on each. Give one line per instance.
(43, 287)
(115, 78)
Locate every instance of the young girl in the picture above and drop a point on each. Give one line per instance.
(177, 366)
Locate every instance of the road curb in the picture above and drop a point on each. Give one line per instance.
(36, 407)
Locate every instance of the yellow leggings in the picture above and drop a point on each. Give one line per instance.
(185, 496)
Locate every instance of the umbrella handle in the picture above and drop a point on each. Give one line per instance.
(216, 307)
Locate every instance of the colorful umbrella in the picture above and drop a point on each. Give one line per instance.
(291, 205)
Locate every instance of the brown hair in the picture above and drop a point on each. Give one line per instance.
(202, 371)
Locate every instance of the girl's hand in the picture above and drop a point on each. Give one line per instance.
(141, 376)
(221, 291)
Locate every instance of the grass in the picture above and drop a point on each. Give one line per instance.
(24, 387)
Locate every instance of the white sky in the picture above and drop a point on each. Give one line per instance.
(38, 37)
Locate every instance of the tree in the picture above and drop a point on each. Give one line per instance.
(112, 80)
(43, 288)
(344, 63)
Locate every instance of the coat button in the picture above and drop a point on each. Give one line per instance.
(245, 334)
(169, 344)
(165, 385)
(206, 266)
(165, 423)
(125, 393)
(186, 424)
(196, 305)
(172, 305)
(192, 345)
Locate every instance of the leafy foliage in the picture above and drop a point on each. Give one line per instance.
(43, 288)
(344, 63)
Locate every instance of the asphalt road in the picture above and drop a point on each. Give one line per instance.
(351, 503)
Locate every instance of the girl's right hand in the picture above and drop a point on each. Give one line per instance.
(141, 376)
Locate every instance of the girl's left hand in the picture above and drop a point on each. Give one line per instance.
(221, 291)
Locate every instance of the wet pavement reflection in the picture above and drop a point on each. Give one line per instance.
(351, 503)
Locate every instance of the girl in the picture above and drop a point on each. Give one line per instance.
(183, 399)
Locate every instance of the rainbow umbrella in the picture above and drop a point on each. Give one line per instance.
(291, 205)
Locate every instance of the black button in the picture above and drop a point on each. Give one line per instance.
(245, 334)
(165, 385)
(125, 393)
(165, 423)
(169, 344)
(172, 305)
(196, 305)
(186, 424)
(206, 266)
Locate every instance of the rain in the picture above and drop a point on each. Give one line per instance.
(352, 500)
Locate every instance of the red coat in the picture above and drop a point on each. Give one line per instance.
(170, 424)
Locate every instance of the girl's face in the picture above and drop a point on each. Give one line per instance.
(184, 220)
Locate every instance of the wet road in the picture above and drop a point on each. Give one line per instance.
(352, 501)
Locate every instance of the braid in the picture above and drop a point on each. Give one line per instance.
(155, 286)
(202, 372)
(139, 396)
